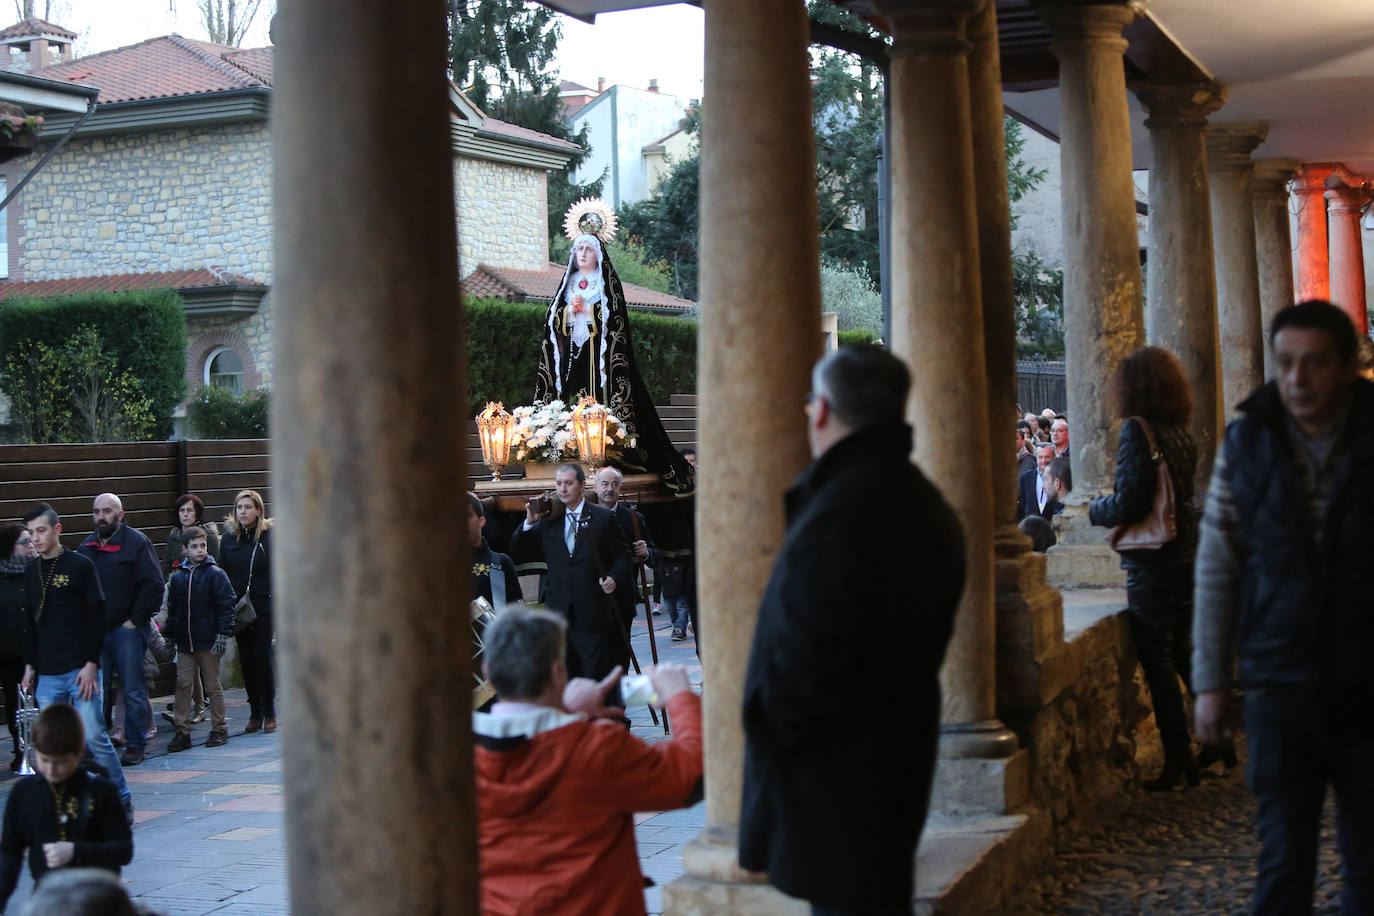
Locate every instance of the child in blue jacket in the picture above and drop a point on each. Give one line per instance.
(200, 620)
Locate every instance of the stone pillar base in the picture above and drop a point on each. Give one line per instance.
(1030, 629)
(714, 883)
(971, 786)
(1081, 558)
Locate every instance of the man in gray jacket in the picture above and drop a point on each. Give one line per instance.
(1283, 586)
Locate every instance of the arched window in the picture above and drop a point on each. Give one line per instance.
(224, 369)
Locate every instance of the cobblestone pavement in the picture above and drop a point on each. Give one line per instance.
(1183, 852)
(209, 831)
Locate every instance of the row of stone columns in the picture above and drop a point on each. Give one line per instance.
(1330, 251)
(376, 267)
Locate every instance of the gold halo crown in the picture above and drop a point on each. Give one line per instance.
(590, 216)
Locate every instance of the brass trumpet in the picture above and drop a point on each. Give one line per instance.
(24, 717)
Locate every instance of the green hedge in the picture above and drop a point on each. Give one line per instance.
(851, 338)
(145, 332)
(217, 413)
(503, 346)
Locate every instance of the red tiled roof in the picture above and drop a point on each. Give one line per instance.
(257, 61)
(33, 26)
(172, 66)
(516, 132)
(506, 282)
(118, 283)
(159, 68)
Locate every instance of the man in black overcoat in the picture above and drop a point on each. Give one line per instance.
(635, 531)
(842, 694)
(586, 556)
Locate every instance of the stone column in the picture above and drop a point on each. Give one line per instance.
(1238, 292)
(937, 327)
(369, 349)
(1181, 312)
(1029, 614)
(1273, 242)
(994, 255)
(1312, 272)
(1103, 313)
(759, 338)
(1347, 252)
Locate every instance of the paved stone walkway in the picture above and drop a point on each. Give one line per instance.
(1182, 852)
(209, 832)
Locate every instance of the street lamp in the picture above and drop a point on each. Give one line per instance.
(589, 428)
(494, 427)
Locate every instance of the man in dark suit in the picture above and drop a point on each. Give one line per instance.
(635, 532)
(1031, 496)
(586, 557)
(832, 807)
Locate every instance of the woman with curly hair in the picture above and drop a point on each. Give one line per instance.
(245, 554)
(1149, 389)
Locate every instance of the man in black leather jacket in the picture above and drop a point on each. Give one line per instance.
(1283, 583)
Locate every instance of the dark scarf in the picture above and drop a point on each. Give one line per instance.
(12, 567)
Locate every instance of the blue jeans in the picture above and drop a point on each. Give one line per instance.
(123, 655)
(677, 611)
(1299, 744)
(61, 688)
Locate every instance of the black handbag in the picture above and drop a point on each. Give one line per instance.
(244, 614)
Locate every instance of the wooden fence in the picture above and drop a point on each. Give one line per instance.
(149, 476)
(146, 476)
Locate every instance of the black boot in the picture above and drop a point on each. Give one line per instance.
(1173, 772)
(1211, 753)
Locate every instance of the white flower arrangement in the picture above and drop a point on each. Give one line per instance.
(543, 432)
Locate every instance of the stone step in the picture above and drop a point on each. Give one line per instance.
(970, 865)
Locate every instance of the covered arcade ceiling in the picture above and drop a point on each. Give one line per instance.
(1305, 68)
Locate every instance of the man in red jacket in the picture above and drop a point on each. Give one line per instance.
(557, 791)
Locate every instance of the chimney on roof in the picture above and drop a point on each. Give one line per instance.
(653, 85)
(600, 84)
(33, 44)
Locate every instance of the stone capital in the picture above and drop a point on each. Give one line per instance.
(1347, 197)
(1078, 25)
(1181, 103)
(1271, 179)
(927, 28)
(1310, 177)
(1229, 145)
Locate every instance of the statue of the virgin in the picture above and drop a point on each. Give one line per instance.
(588, 350)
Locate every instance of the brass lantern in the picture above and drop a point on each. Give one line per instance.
(494, 429)
(589, 428)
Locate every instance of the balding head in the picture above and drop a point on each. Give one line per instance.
(608, 481)
(107, 513)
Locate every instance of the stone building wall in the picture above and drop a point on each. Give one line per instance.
(1096, 737)
(157, 201)
(185, 199)
(502, 215)
(162, 200)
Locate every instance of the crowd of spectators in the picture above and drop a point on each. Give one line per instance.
(82, 631)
